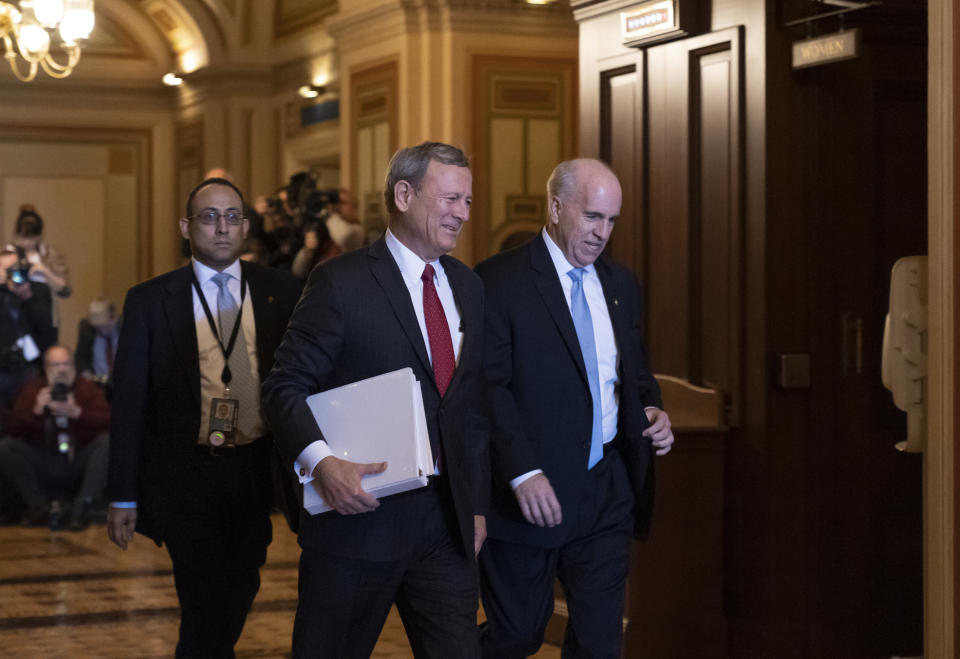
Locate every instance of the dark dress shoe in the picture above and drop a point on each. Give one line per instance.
(36, 515)
(79, 519)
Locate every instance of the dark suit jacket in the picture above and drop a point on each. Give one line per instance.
(540, 406)
(156, 401)
(355, 321)
(34, 317)
(83, 356)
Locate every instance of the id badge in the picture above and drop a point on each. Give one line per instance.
(223, 421)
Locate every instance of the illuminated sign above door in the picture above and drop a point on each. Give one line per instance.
(656, 21)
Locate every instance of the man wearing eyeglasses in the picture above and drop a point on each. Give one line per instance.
(196, 340)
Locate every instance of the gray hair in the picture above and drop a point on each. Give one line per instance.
(410, 165)
(563, 179)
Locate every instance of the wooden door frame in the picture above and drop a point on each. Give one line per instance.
(941, 457)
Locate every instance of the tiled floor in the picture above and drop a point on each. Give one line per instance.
(75, 595)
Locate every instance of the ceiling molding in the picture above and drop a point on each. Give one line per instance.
(292, 16)
(231, 81)
(69, 95)
(365, 21)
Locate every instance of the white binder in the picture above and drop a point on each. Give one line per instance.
(375, 420)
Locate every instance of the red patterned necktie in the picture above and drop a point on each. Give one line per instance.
(441, 345)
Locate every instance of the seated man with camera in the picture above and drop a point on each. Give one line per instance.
(26, 324)
(61, 449)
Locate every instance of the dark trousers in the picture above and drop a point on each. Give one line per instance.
(217, 539)
(517, 580)
(39, 475)
(344, 601)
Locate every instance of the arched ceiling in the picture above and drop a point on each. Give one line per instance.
(136, 41)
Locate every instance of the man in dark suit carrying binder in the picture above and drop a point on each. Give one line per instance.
(575, 421)
(402, 302)
(195, 340)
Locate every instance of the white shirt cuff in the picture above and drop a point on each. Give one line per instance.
(309, 458)
(515, 483)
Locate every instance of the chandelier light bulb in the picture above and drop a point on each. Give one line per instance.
(48, 12)
(78, 20)
(30, 28)
(34, 42)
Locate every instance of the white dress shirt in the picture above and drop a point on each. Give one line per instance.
(411, 268)
(604, 339)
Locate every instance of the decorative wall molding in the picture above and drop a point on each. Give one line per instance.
(941, 459)
(297, 15)
(362, 22)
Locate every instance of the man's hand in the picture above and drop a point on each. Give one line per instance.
(340, 487)
(39, 268)
(479, 532)
(43, 399)
(67, 408)
(120, 525)
(537, 501)
(659, 430)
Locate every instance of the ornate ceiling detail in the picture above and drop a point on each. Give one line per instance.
(296, 15)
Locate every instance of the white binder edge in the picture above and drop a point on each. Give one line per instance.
(314, 503)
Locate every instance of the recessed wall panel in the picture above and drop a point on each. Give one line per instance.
(543, 147)
(506, 166)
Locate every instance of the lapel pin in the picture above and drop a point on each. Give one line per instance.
(269, 299)
(616, 302)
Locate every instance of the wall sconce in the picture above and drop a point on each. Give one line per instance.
(311, 91)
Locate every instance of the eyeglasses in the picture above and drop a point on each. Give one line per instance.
(210, 218)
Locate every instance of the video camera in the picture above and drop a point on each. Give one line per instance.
(309, 203)
(19, 273)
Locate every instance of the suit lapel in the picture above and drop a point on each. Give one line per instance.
(178, 309)
(262, 315)
(387, 274)
(469, 315)
(612, 294)
(548, 284)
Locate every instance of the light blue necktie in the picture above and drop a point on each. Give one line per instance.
(584, 324)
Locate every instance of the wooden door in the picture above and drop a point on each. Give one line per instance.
(670, 125)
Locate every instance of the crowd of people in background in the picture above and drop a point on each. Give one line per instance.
(54, 416)
(299, 225)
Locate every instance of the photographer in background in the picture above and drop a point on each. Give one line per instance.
(97, 337)
(285, 237)
(317, 248)
(26, 324)
(342, 221)
(47, 265)
(60, 449)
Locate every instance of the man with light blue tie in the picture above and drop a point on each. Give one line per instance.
(575, 416)
(190, 450)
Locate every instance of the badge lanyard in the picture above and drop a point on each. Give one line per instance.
(225, 375)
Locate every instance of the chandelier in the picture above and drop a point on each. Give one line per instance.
(27, 30)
